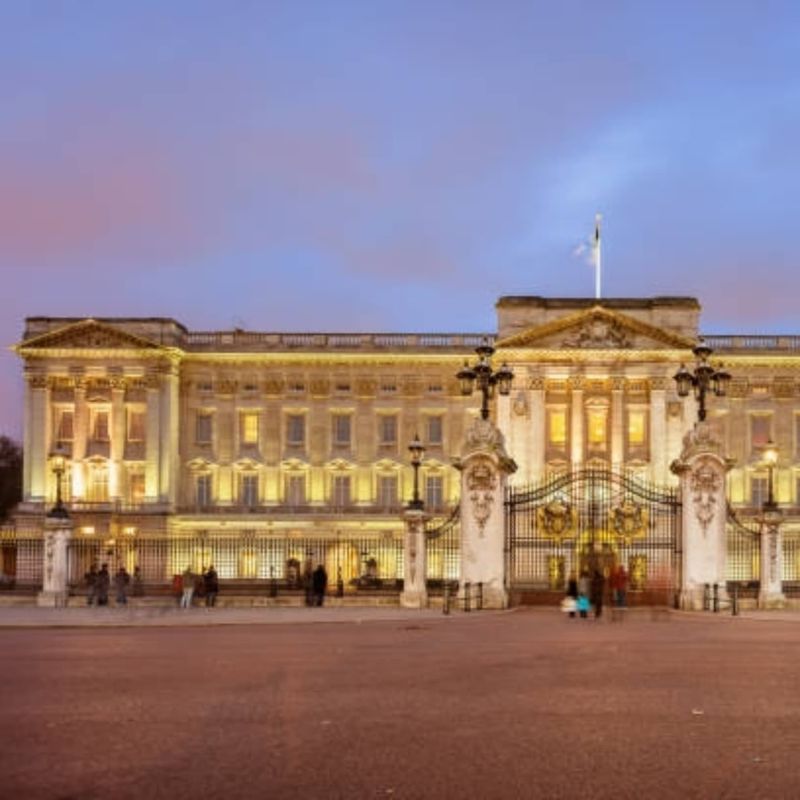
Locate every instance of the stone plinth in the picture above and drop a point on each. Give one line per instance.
(770, 594)
(57, 533)
(415, 593)
(485, 467)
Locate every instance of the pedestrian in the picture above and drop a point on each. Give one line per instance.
(598, 587)
(570, 602)
(584, 588)
(211, 581)
(200, 586)
(138, 583)
(620, 587)
(103, 585)
(91, 585)
(121, 581)
(187, 582)
(177, 588)
(320, 584)
(308, 584)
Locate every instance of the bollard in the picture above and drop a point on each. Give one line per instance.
(706, 597)
(735, 601)
(467, 592)
(446, 601)
(715, 599)
(479, 605)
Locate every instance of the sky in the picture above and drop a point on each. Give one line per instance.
(393, 166)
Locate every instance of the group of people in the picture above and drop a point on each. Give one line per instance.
(189, 585)
(587, 592)
(99, 582)
(315, 583)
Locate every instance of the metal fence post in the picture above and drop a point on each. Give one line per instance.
(467, 592)
(715, 598)
(735, 603)
(480, 596)
(446, 601)
(706, 597)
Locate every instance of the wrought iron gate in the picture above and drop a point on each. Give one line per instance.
(593, 518)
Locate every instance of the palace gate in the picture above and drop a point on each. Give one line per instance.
(593, 518)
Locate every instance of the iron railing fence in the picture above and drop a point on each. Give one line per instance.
(443, 549)
(743, 544)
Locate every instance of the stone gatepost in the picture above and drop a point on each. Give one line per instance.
(485, 467)
(415, 592)
(770, 594)
(57, 533)
(701, 469)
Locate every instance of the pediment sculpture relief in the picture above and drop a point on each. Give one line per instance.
(598, 332)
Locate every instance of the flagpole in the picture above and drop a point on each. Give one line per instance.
(597, 259)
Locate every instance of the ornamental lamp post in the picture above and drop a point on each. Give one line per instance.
(485, 377)
(703, 380)
(58, 463)
(417, 450)
(770, 454)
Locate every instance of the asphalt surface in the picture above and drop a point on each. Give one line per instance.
(525, 704)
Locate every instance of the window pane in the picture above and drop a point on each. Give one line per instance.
(64, 426)
(135, 426)
(388, 429)
(203, 429)
(249, 428)
(434, 494)
(249, 490)
(434, 430)
(203, 490)
(758, 491)
(557, 419)
(100, 426)
(341, 429)
(387, 491)
(636, 427)
(98, 484)
(341, 490)
(759, 429)
(597, 427)
(295, 429)
(136, 488)
(296, 490)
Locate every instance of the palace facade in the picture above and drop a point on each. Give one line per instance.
(233, 441)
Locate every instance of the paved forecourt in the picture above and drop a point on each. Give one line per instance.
(504, 705)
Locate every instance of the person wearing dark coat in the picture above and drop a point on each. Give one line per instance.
(91, 585)
(597, 591)
(103, 585)
(320, 584)
(121, 581)
(211, 583)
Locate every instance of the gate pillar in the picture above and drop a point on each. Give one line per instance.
(770, 593)
(485, 467)
(701, 469)
(57, 533)
(415, 592)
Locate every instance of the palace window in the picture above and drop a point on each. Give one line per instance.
(97, 490)
(341, 430)
(759, 490)
(203, 428)
(434, 491)
(387, 491)
(597, 428)
(637, 428)
(340, 491)
(248, 490)
(295, 430)
(557, 427)
(435, 429)
(760, 425)
(64, 424)
(136, 488)
(203, 491)
(387, 429)
(248, 427)
(296, 490)
(136, 429)
(99, 425)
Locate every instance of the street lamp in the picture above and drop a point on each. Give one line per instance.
(417, 450)
(58, 463)
(704, 379)
(485, 378)
(770, 454)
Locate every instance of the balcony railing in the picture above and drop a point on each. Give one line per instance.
(750, 343)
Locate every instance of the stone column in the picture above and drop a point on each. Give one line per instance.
(37, 435)
(170, 416)
(701, 470)
(119, 433)
(57, 533)
(485, 467)
(152, 440)
(538, 431)
(80, 436)
(617, 422)
(658, 430)
(576, 423)
(770, 594)
(415, 592)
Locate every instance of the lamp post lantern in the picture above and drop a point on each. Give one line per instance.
(770, 454)
(58, 463)
(703, 380)
(417, 450)
(484, 377)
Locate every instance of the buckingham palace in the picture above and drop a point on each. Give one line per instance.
(259, 451)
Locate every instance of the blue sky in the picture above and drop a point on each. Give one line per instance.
(393, 166)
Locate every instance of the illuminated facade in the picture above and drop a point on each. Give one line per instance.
(177, 433)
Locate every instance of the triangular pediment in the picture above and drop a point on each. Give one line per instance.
(88, 334)
(596, 328)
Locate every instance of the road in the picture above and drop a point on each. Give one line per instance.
(524, 704)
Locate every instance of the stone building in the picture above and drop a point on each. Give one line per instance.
(259, 451)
